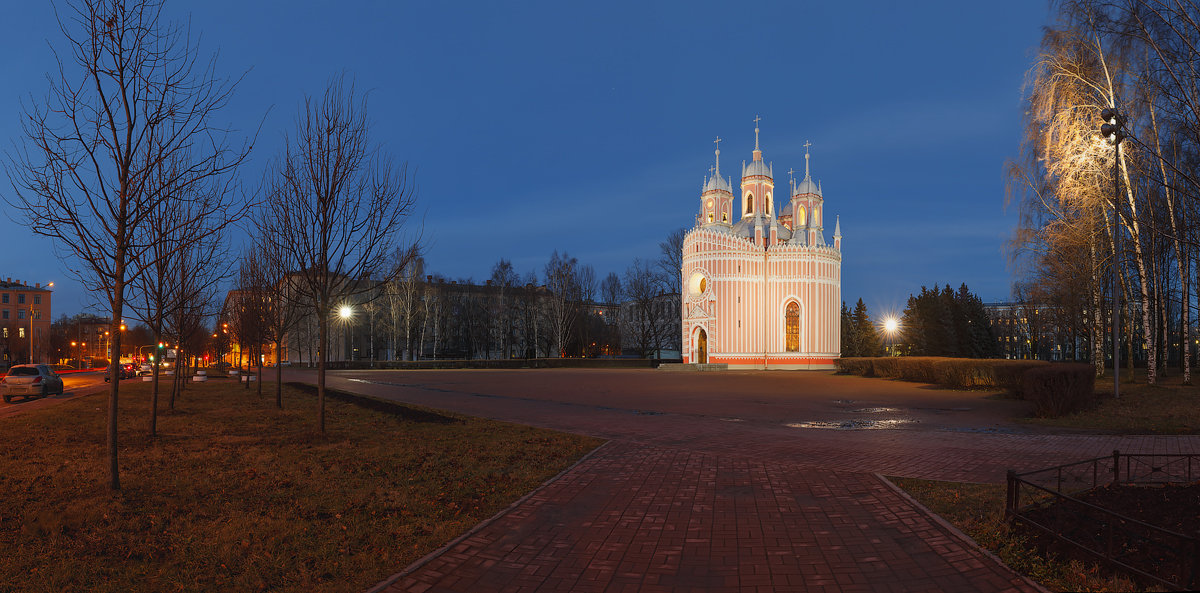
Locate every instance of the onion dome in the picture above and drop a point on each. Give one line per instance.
(806, 186)
(716, 182)
(756, 165)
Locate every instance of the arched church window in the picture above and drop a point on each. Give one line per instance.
(801, 218)
(710, 217)
(749, 203)
(792, 327)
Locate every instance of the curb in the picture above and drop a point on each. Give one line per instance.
(957, 533)
(411, 568)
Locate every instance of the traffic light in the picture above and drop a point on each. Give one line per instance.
(1113, 128)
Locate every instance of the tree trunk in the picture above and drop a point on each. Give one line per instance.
(322, 357)
(278, 379)
(258, 377)
(154, 387)
(1097, 333)
(118, 307)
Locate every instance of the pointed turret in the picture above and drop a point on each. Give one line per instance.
(837, 233)
(716, 197)
(758, 185)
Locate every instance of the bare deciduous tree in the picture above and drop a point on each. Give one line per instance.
(338, 203)
(562, 280)
(129, 95)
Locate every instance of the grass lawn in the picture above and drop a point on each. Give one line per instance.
(1167, 408)
(235, 495)
(978, 511)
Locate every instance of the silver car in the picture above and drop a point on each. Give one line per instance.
(30, 379)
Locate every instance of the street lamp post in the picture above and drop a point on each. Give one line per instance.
(31, 312)
(1113, 129)
(345, 312)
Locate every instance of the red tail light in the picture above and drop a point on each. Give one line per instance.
(38, 379)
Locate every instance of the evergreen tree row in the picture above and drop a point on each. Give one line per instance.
(943, 322)
(860, 337)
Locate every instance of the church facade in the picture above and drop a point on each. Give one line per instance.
(761, 287)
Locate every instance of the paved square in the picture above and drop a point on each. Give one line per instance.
(720, 482)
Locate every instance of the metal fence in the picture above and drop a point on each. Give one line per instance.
(1107, 535)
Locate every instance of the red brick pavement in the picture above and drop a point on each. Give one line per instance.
(705, 498)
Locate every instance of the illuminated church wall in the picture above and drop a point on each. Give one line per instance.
(761, 287)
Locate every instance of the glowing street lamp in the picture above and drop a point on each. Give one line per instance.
(890, 326)
(345, 312)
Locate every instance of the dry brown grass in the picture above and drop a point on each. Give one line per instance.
(978, 511)
(235, 495)
(1167, 408)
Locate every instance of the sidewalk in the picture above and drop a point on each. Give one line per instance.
(655, 519)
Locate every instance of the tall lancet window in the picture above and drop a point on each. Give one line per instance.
(749, 203)
(792, 320)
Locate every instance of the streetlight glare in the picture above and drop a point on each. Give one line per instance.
(345, 311)
(891, 325)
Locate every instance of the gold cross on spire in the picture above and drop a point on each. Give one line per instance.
(806, 145)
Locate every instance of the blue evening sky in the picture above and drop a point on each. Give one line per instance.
(588, 127)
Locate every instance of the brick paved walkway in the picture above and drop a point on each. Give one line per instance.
(719, 493)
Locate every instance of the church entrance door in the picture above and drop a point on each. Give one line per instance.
(701, 347)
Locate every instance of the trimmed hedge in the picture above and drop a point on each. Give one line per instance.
(1060, 389)
(959, 373)
(515, 363)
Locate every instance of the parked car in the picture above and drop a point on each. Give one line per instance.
(124, 371)
(29, 380)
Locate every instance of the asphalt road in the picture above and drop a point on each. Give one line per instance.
(74, 385)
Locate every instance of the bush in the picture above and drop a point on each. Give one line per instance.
(1059, 389)
(855, 366)
(1008, 374)
(958, 373)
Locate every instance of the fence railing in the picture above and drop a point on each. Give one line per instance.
(1107, 535)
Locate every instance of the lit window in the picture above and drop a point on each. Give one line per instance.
(20, 332)
(792, 318)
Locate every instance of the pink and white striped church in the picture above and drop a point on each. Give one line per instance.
(764, 290)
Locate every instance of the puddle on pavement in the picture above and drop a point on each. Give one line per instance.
(856, 424)
(874, 410)
(732, 420)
